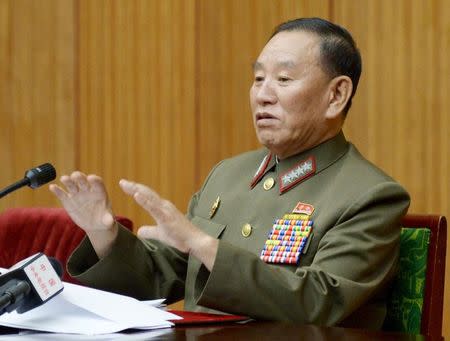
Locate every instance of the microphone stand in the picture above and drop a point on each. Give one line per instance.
(34, 178)
(13, 187)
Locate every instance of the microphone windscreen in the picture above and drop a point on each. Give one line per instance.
(40, 175)
(41, 273)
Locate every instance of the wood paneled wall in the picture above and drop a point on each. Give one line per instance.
(37, 117)
(401, 119)
(157, 91)
(137, 96)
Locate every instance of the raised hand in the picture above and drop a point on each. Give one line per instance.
(172, 228)
(86, 201)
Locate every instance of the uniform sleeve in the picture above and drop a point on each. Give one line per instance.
(354, 259)
(144, 270)
(141, 269)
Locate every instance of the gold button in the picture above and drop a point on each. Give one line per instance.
(246, 230)
(268, 184)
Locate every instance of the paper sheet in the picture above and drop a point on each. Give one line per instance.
(136, 335)
(82, 310)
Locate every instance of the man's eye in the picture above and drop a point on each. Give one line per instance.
(259, 78)
(284, 79)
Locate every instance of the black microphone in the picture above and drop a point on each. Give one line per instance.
(34, 178)
(30, 283)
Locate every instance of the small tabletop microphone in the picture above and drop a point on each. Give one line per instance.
(33, 178)
(30, 283)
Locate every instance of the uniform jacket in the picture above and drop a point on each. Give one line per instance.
(341, 279)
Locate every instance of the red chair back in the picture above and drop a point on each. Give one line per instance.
(25, 231)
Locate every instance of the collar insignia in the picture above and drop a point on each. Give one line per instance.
(300, 172)
(260, 172)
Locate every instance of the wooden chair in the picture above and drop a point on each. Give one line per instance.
(25, 231)
(422, 313)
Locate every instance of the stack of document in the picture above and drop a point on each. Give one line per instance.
(82, 310)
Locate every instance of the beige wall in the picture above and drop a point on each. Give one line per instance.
(157, 91)
(37, 114)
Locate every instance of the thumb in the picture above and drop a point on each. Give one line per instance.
(58, 191)
(148, 232)
(129, 187)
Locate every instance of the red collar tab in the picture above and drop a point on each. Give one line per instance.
(261, 169)
(300, 172)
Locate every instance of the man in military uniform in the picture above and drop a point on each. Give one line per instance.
(303, 230)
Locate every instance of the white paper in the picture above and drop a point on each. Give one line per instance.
(156, 303)
(128, 310)
(128, 336)
(82, 310)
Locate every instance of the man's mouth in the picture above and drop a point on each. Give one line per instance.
(264, 116)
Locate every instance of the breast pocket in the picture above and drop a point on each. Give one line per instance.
(208, 226)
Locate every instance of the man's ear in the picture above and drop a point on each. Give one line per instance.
(341, 89)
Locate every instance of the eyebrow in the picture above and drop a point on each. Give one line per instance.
(256, 66)
(284, 64)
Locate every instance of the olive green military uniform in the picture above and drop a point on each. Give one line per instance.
(342, 275)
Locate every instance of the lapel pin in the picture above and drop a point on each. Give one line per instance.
(214, 207)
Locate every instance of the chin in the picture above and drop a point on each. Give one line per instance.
(268, 142)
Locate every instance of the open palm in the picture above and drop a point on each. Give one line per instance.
(85, 200)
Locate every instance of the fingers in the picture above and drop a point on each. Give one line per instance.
(131, 188)
(79, 182)
(75, 182)
(58, 191)
(147, 199)
(71, 186)
(148, 232)
(143, 195)
(96, 183)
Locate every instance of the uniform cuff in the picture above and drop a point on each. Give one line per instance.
(84, 264)
(221, 281)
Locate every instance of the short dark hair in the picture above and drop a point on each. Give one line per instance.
(338, 52)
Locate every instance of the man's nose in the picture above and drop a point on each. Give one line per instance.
(265, 93)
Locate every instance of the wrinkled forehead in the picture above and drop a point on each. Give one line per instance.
(291, 48)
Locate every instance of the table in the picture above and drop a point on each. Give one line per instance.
(279, 331)
(260, 331)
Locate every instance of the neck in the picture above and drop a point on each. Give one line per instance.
(286, 153)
